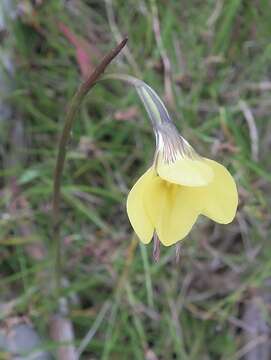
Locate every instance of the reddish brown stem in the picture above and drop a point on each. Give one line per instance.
(73, 108)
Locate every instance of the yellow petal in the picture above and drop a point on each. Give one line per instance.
(186, 171)
(172, 210)
(136, 209)
(219, 199)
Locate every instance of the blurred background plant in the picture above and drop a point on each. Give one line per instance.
(210, 62)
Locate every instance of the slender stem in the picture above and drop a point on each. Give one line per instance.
(73, 108)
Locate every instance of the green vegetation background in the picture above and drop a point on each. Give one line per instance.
(219, 54)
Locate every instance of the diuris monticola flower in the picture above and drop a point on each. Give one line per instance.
(179, 186)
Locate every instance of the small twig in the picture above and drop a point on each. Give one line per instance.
(253, 132)
(61, 330)
(69, 121)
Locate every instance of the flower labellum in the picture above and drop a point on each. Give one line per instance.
(179, 186)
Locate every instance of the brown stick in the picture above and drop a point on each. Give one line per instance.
(74, 106)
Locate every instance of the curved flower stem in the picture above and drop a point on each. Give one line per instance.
(73, 108)
(154, 106)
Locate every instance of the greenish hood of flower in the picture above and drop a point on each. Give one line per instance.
(169, 143)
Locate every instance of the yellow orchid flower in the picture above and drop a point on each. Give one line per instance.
(179, 186)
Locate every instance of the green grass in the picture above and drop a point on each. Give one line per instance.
(183, 311)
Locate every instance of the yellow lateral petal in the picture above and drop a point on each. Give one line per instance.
(136, 210)
(186, 171)
(172, 210)
(219, 199)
